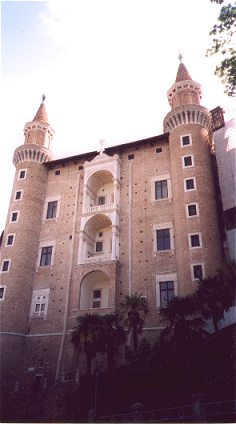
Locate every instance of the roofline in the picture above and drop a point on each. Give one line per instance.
(113, 149)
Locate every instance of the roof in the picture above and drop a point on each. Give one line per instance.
(182, 73)
(110, 150)
(41, 114)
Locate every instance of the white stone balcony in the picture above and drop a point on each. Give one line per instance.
(100, 208)
(100, 311)
(97, 259)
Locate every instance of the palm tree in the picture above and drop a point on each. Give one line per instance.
(135, 308)
(216, 294)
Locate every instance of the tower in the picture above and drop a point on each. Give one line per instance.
(197, 239)
(20, 241)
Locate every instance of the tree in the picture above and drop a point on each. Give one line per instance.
(223, 42)
(136, 309)
(216, 294)
(98, 333)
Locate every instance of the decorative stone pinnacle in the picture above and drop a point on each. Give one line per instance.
(101, 142)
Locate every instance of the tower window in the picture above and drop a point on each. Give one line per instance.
(187, 161)
(5, 265)
(39, 304)
(52, 210)
(14, 216)
(10, 239)
(163, 239)
(192, 210)
(22, 174)
(189, 184)
(57, 172)
(130, 157)
(18, 194)
(166, 292)
(46, 256)
(195, 240)
(197, 271)
(2, 292)
(99, 246)
(161, 189)
(158, 150)
(185, 140)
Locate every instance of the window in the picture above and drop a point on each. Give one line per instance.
(185, 140)
(96, 299)
(187, 161)
(197, 271)
(189, 184)
(158, 149)
(10, 239)
(161, 189)
(2, 292)
(14, 216)
(192, 210)
(22, 174)
(57, 172)
(18, 194)
(39, 304)
(52, 210)
(5, 265)
(101, 200)
(166, 292)
(130, 157)
(195, 240)
(163, 239)
(99, 246)
(46, 256)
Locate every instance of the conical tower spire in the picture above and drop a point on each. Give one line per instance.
(41, 114)
(184, 91)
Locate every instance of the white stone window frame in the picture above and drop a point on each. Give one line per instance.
(185, 184)
(200, 240)
(190, 140)
(162, 278)
(4, 292)
(187, 210)
(19, 178)
(9, 265)
(192, 270)
(166, 225)
(42, 244)
(163, 177)
(45, 207)
(37, 293)
(188, 166)
(17, 219)
(14, 236)
(18, 191)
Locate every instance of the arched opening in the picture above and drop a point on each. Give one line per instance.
(94, 292)
(97, 237)
(100, 191)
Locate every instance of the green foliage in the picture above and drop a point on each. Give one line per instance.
(224, 34)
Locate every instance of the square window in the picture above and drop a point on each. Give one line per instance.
(163, 239)
(52, 210)
(130, 157)
(10, 239)
(161, 189)
(22, 174)
(192, 209)
(2, 292)
(185, 140)
(5, 265)
(188, 161)
(101, 200)
(57, 172)
(166, 292)
(190, 184)
(158, 149)
(96, 304)
(195, 240)
(46, 256)
(99, 246)
(97, 294)
(14, 216)
(18, 195)
(197, 272)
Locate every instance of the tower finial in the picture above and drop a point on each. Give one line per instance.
(180, 57)
(101, 142)
(43, 97)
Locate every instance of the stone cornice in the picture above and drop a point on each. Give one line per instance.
(31, 153)
(188, 114)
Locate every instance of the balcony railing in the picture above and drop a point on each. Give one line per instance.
(97, 259)
(99, 311)
(100, 208)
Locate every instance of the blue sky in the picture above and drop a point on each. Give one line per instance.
(105, 67)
